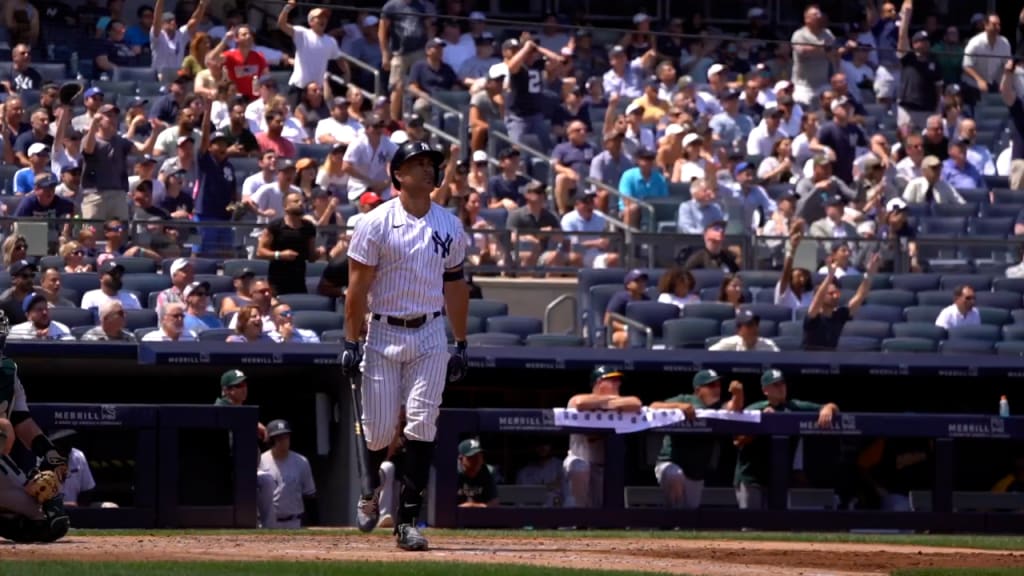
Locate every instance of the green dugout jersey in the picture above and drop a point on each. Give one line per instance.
(753, 461)
(692, 454)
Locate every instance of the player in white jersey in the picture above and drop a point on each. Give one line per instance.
(584, 465)
(405, 270)
(293, 479)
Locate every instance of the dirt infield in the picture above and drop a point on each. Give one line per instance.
(661, 555)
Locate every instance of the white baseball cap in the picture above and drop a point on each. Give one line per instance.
(499, 70)
(634, 107)
(782, 85)
(399, 137)
(755, 12)
(691, 138)
(673, 129)
(715, 69)
(477, 16)
(179, 264)
(38, 148)
(370, 20)
(479, 156)
(895, 204)
(640, 17)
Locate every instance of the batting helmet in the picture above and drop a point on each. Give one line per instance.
(411, 149)
(603, 372)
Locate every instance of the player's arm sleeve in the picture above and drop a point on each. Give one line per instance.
(85, 475)
(458, 252)
(806, 406)
(20, 404)
(308, 486)
(364, 247)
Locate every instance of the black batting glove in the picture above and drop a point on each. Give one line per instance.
(351, 357)
(458, 363)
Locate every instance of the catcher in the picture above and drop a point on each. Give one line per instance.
(31, 508)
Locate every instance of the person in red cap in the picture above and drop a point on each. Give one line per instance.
(367, 201)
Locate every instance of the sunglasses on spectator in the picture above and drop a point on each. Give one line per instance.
(285, 313)
(200, 293)
(21, 247)
(27, 275)
(78, 253)
(176, 315)
(115, 228)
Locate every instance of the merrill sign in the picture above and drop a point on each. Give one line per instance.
(995, 428)
(105, 415)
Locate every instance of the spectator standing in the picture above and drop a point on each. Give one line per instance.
(813, 54)
(885, 23)
(244, 65)
(289, 242)
(215, 190)
(843, 137)
(984, 59)
(920, 75)
(405, 26)
(826, 316)
(111, 326)
(713, 255)
(430, 76)
(38, 325)
(105, 175)
(111, 288)
(366, 159)
(525, 99)
(1007, 89)
(962, 312)
(794, 289)
(487, 106)
(314, 49)
(168, 42)
(116, 52)
(172, 325)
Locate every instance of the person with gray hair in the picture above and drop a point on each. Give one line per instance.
(172, 325)
(111, 326)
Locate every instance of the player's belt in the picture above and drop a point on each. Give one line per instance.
(289, 518)
(414, 322)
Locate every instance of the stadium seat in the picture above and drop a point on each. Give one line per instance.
(994, 181)
(879, 313)
(766, 328)
(938, 226)
(759, 278)
(50, 72)
(894, 297)
(979, 282)
(146, 284)
(1018, 316)
(308, 302)
(866, 329)
(496, 217)
(791, 329)
(925, 330)
(771, 312)
(710, 294)
(315, 269)
(985, 332)
(134, 73)
(79, 331)
(318, 322)
(522, 326)
(136, 264)
(1001, 210)
(907, 344)
(258, 267)
(47, 262)
(950, 264)
(789, 343)
(680, 191)
(967, 210)
(709, 342)
(853, 281)
(217, 282)
(1008, 285)
(494, 339)
(858, 344)
(135, 319)
(199, 265)
(652, 314)
(215, 334)
(935, 298)
(707, 278)
(975, 195)
(689, 332)
(72, 317)
(999, 299)
(914, 282)
(1013, 332)
(1007, 196)
(995, 316)
(717, 311)
(474, 325)
(142, 332)
(554, 341)
(1010, 348)
(991, 226)
(73, 295)
(483, 308)
(764, 296)
(80, 282)
(600, 296)
(966, 347)
(926, 314)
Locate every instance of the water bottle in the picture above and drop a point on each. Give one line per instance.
(1004, 407)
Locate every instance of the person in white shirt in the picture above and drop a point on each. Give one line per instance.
(961, 312)
(583, 218)
(763, 137)
(268, 200)
(841, 258)
(266, 175)
(38, 326)
(314, 48)
(910, 166)
(256, 110)
(747, 337)
(168, 42)
(676, 286)
(985, 57)
(172, 325)
(367, 158)
(284, 328)
(978, 155)
(929, 188)
(340, 128)
(110, 289)
(79, 479)
(794, 289)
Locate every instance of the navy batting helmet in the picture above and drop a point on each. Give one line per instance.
(411, 149)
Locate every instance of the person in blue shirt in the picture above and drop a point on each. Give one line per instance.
(215, 192)
(640, 183)
(39, 164)
(198, 316)
(957, 171)
(635, 291)
(44, 203)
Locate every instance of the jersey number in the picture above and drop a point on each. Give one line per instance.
(533, 87)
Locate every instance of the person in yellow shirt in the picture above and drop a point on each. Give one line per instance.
(654, 107)
(1014, 481)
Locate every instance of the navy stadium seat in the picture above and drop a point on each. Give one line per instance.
(759, 278)
(789, 344)
(912, 345)
(521, 325)
(258, 267)
(1001, 210)
(991, 226)
(922, 313)
(915, 282)
(1009, 285)
(72, 317)
(1012, 348)
(81, 282)
(1013, 332)
(1007, 196)
(73, 295)
(146, 284)
(925, 330)
(134, 73)
(717, 311)
(600, 296)
(771, 312)
(137, 264)
(894, 297)
(976, 281)
(766, 328)
(859, 344)
(79, 331)
(554, 341)
(315, 269)
(966, 347)
(47, 262)
(318, 322)
(496, 217)
(141, 332)
(791, 329)
(955, 210)
(1018, 316)
(217, 282)
(986, 332)
(943, 226)
(935, 298)
(494, 339)
(135, 319)
(689, 332)
(994, 316)
(880, 313)
(866, 329)
(707, 278)
(332, 336)
(853, 281)
(215, 334)
(652, 314)
(999, 299)
(308, 302)
(483, 308)
(976, 195)
(710, 294)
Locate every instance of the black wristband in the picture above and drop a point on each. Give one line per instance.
(41, 445)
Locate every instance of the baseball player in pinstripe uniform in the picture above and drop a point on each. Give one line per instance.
(584, 465)
(405, 267)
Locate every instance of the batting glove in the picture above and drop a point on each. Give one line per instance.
(351, 357)
(458, 363)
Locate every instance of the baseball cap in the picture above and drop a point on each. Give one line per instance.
(691, 138)
(510, 44)
(195, 286)
(370, 20)
(674, 129)
(744, 317)
(399, 137)
(39, 149)
(339, 102)
(640, 17)
(476, 16)
(535, 187)
(635, 107)
(835, 200)
(741, 167)
(931, 161)
(616, 50)
(731, 94)
(470, 447)
(635, 275)
(871, 162)
(715, 68)
(137, 102)
(45, 180)
(896, 205)
(70, 167)
(183, 140)
(497, 71)
(782, 85)
(485, 39)
(920, 36)
(147, 159)
(111, 267)
(773, 109)
(436, 43)
(372, 119)
(771, 377)
(369, 199)
(31, 300)
(20, 266)
(243, 273)
(284, 164)
(144, 185)
(822, 159)
(269, 82)
(755, 12)
(109, 109)
(232, 378)
(479, 157)
(719, 224)
(179, 264)
(414, 120)
(867, 227)
(167, 16)
(838, 103)
(94, 91)
(645, 153)
(317, 12)
(278, 428)
(221, 137)
(704, 378)
(508, 153)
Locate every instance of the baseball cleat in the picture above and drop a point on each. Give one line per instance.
(386, 521)
(368, 512)
(409, 538)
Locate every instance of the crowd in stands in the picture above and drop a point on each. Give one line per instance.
(214, 133)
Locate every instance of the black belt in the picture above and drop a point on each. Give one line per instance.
(414, 322)
(289, 518)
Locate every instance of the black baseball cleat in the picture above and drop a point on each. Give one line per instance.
(368, 512)
(408, 537)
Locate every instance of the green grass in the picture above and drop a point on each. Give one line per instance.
(31, 568)
(958, 572)
(983, 542)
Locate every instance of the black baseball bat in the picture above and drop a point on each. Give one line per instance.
(362, 452)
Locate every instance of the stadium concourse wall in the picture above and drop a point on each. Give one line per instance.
(302, 383)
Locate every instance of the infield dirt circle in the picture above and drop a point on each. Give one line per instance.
(658, 555)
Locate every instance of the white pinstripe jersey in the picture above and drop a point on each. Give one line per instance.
(410, 254)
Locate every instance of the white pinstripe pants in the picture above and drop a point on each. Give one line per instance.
(403, 367)
(13, 497)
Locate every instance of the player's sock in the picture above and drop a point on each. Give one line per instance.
(418, 457)
(377, 458)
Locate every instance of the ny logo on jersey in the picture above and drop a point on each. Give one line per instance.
(442, 246)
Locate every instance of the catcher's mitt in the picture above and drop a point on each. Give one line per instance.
(43, 486)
